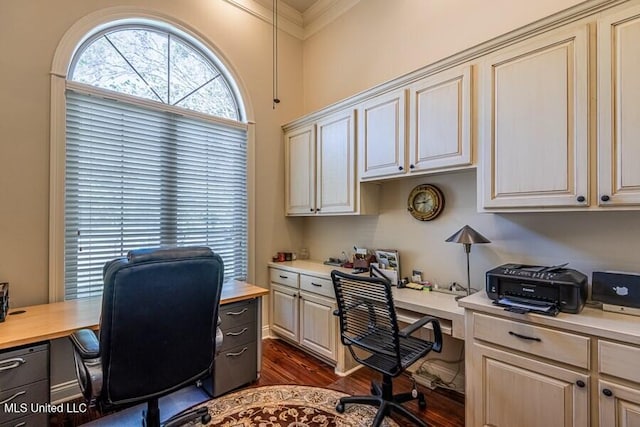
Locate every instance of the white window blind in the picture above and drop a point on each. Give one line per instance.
(143, 177)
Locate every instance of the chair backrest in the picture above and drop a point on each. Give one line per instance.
(367, 316)
(158, 325)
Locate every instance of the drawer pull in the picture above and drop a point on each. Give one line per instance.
(284, 277)
(11, 363)
(236, 354)
(607, 392)
(580, 383)
(235, 334)
(9, 399)
(237, 313)
(524, 337)
(316, 284)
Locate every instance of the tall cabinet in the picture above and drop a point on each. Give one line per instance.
(534, 122)
(618, 108)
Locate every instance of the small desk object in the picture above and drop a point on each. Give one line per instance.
(25, 335)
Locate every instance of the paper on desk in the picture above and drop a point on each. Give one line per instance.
(546, 308)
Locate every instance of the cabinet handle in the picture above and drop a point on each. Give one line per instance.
(311, 209)
(400, 168)
(9, 399)
(524, 337)
(284, 277)
(318, 210)
(580, 383)
(236, 354)
(581, 199)
(11, 363)
(316, 284)
(235, 334)
(237, 313)
(607, 392)
(411, 167)
(604, 198)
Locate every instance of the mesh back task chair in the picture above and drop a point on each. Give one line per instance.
(158, 328)
(369, 328)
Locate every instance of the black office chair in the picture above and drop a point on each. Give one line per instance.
(158, 329)
(369, 328)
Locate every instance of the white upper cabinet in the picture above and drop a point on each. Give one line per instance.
(382, 135)
(300, 170)
(534, 122)
(320, 169)
(336, 163)
(619, 108)
(439, 121)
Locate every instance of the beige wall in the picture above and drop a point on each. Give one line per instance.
(30, 31)
(378, 40)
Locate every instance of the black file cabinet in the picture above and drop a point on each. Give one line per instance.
(237, 362)
(24, 386)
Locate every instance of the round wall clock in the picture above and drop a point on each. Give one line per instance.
(425, 202)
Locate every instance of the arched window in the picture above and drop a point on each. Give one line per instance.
(156, 153)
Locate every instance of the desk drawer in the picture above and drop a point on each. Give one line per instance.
(33, 420)
(555, 345)
(14, 400)
(317, 285)
(24, 366)
(283, 277)
(238, 335)
(237, 313)
(622, 361)
(235, 367)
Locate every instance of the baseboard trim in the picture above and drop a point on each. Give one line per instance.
(65, 391)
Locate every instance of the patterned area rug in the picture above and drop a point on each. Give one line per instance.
(288, 406)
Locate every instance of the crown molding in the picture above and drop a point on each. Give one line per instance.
(289, 20)
(322, 13)
(299, 25)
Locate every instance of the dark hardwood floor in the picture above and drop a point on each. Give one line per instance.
(283, 363)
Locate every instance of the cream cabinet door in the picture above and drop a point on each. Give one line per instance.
(619, 405)
(382, 135)
(618, 108)
(300, 170)
(336, 163)
(439, 121)
(510, 390)
(318, 324)
(284, 311)
(533, 119)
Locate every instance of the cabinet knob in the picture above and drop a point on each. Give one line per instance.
(580, 383)
(311, 209)
(412, 167)
(581, 199)
(400, 168)
(318, 210)
(605, 198)
(607, 392)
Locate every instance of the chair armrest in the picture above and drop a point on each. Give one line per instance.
(86, 343)
(437, 333)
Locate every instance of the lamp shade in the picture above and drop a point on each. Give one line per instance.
(467, 235)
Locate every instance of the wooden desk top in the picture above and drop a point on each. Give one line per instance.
(56, 320)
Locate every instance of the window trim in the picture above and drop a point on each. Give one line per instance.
(75, 36)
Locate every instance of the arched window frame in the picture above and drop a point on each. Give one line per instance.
(78, 34)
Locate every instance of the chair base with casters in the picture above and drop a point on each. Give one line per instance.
(383, 397)
(369, 324)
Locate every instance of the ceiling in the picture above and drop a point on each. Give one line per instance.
(299, 5)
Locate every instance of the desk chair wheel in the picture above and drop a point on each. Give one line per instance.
(340, 407)
(422, 403)
(206, 419)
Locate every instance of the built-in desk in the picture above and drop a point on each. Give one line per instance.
(303, 301)
(26, 334)
(59, 319)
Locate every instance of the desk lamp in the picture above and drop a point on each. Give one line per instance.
(467, 236)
